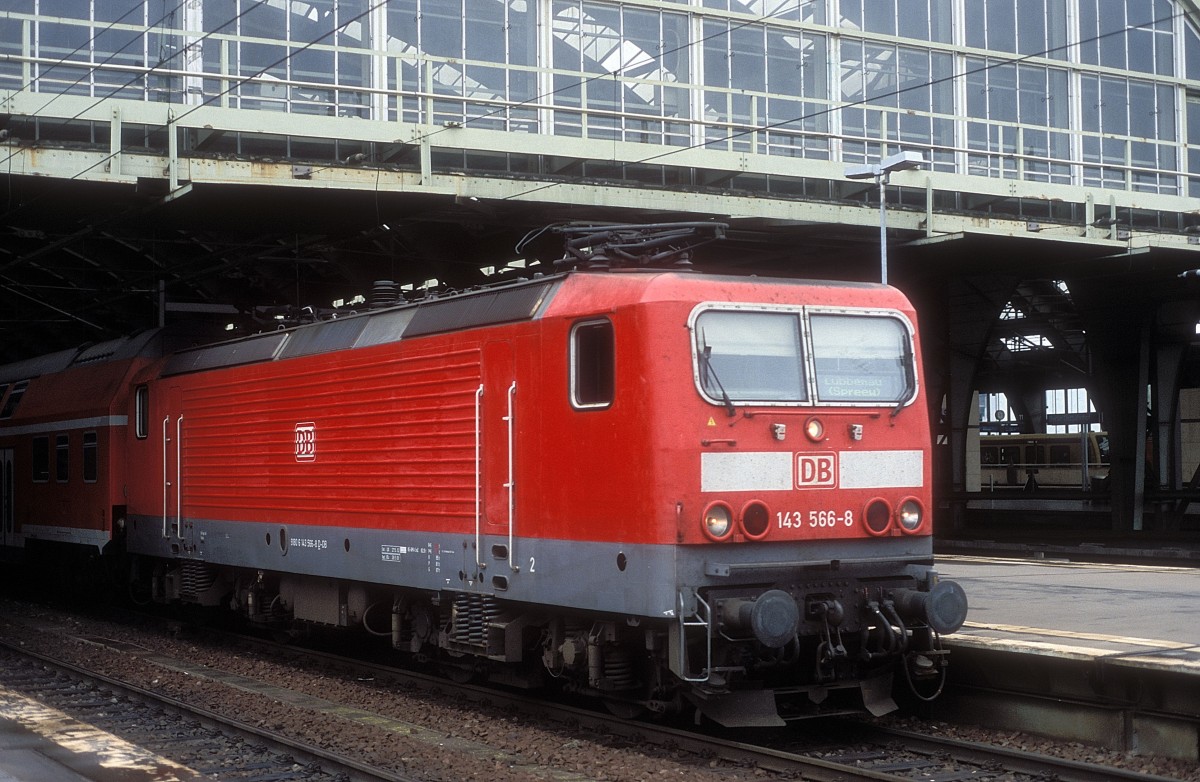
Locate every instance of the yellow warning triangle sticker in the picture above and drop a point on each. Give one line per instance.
(711, 422)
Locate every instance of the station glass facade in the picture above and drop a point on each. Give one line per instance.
(1098, 93)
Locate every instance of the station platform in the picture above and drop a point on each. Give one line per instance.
(41, 744)
(1135, 606)
(1019, 524)
(1179, 549)
(1101, 649)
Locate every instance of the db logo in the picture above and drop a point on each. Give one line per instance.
(816, 470)
(306, 442)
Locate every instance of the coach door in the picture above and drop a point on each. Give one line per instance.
(7, 520)
(496, 406)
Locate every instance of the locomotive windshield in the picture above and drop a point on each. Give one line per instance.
(751, 356)
(762, 356)
(861, 358)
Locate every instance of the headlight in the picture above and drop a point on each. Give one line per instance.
(814, 429)
(909, 514)
(756, 520)
(878, 516)
(718, 521)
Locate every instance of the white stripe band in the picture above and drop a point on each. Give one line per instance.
(881, 469)
(749, 471)
(87, 537)
(776, 470)
(96, 422)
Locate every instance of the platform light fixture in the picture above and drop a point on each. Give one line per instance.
(880, 172)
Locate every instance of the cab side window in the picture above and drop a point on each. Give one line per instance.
(141, 412)
(91, 461)
(593, 364)
(41, 459)
(14, 398)
(62, 457)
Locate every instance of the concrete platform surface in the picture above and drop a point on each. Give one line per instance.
(41, 744)
(1143, 614)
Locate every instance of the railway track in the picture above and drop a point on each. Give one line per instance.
(116, 718)
(844, 750)
(875, 753)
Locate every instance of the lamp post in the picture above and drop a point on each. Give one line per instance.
(879, 172)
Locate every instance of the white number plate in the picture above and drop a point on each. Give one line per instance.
(816, 519)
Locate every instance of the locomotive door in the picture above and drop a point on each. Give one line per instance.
(7, 520)
(172, 465)
(497, 421)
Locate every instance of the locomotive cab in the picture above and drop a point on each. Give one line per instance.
(809, 542)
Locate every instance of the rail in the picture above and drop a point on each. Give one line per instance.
(856, 751)
(140, 713)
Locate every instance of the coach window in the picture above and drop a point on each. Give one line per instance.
(593, 364)
(41, 459)
(90, 461)
(14, 398)
(62, 457)
(141, 412)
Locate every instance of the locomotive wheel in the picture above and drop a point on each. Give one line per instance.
(626, 710)
(141, 594)
(459, 674)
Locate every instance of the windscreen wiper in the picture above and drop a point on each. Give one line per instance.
(711, 372)
(909, 379)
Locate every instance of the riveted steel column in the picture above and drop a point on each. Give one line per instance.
(172, 152)
(113, 166)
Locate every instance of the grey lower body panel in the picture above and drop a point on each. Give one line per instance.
(634, 580)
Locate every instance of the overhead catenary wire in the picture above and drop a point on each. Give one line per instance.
(65, 61)
(1001, 60)
(237, 83)
(537, 99)
(852, 104)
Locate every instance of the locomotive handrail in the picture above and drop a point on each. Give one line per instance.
(724, 569)
(478, 480)
(179, 477)
(705, 621)
(512, 483)
(166, 477)
(828, 412)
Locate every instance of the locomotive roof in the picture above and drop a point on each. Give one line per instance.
(504, 303)
(509, 303)
(111, 350)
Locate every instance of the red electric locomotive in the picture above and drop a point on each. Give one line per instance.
(655, 487)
